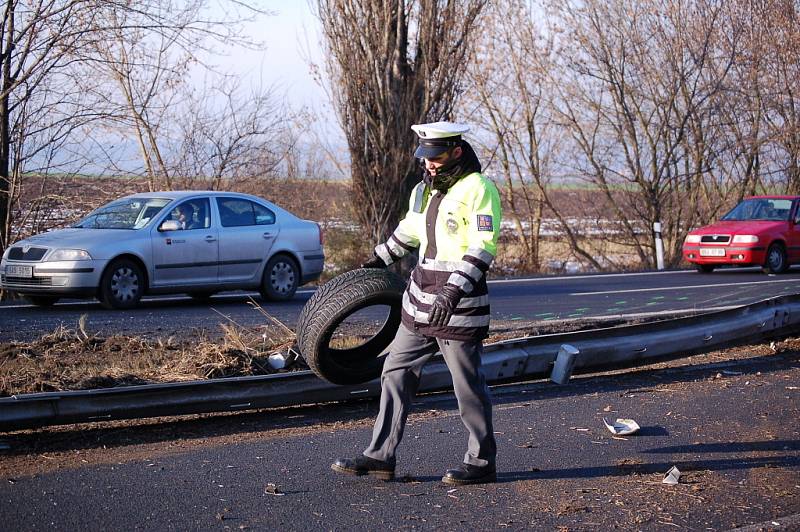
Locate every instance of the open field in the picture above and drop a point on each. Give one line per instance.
(328, 203)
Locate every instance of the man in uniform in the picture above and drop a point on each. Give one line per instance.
(454, 221)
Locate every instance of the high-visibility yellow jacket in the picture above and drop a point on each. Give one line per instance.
(456, 234)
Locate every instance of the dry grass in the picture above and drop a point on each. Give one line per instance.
(348, 342)
(345, 249)
(71, 359)
(555, 254)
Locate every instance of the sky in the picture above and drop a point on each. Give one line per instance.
(291, 38)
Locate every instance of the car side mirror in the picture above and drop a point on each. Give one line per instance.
(170, 225)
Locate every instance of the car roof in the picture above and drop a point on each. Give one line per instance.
(177, 195)
(180, 194)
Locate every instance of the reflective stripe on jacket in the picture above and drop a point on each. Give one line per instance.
(456, 234)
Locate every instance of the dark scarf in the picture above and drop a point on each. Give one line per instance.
(453, 170)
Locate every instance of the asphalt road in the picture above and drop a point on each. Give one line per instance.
(542, 298)
(559, 468)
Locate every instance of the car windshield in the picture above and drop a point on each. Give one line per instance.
(129, 213)
(760, 209)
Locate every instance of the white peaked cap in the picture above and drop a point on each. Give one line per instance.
(439, 130)
(437, 137)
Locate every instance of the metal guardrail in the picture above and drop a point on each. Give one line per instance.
(502, 362)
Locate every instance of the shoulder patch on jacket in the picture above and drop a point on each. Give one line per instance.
(485, 222)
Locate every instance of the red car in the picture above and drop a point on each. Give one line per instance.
(760, 231)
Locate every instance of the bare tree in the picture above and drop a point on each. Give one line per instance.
(634, 76)
(513, 89)
(749, 129)
(141, 65)
(225, 135)
(51, 50)
(140, 70)
(779, 26)
(45, 124)
(392, 63)
(37, 38)
(669, 111)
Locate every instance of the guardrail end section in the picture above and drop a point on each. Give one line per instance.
(565, 361)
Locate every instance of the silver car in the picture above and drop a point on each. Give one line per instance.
(191, 242)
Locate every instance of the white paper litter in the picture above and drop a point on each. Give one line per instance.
(622, 427)
(672, 476)
(277, 361)
(272, 489)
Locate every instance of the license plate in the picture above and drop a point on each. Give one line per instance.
(712, 252)
(13, 270)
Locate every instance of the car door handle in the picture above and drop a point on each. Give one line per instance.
(210, 238)
(268, 235)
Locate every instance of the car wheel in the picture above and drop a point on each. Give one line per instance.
(704, 268)
(42, 301)
(122, 285)
(281, 279)
(333, 303)
(776, 261)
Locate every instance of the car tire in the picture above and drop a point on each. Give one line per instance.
(704, 268)
(332, 303)
(122, 285)
(42, 301)
(280, 279)
(776, 260)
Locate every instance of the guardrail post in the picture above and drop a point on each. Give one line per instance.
(565, 361)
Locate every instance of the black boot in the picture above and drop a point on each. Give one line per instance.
(364, 465)
(470, 474)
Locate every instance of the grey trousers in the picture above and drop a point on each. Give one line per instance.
(408, 353)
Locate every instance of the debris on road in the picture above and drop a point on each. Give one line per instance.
(272, 489)
(622, 427)
(277, 361)
(672, 476)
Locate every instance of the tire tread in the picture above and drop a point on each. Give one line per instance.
(332, 302)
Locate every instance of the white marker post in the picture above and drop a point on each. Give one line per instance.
(659, 246)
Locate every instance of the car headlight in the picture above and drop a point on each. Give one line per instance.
(692, 239)
(69, 254)
(745, 239)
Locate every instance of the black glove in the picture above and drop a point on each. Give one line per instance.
(374, 262)
(444, 305)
